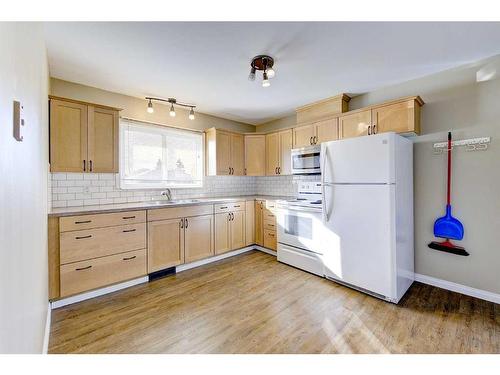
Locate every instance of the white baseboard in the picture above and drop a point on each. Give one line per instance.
(98, 292)
(46, 335)
(265, 250)
(188, 266)
(459, 288)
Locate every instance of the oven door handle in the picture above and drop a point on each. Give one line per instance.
(301, 208)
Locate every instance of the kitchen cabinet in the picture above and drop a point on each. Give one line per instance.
(249, 223)
(229, 227)
(198, 238)
(255, 155)
(400, 116)
(315, 133)
(278, 152)
(174, 239)
(355, 124)
(165, 244)
(83, 137)
(96, 250)
(225, 153)
(259, 222)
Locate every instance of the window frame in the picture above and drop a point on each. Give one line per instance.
(123, 122)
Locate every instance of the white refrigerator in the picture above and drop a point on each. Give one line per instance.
(367, 187)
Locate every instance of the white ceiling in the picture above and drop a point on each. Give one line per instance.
(208, 63)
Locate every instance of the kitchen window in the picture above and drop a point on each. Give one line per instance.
(155, 157)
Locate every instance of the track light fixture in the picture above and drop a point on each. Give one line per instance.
(265, 64)
(172, 101)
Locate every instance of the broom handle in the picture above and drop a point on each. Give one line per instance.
(449, 170)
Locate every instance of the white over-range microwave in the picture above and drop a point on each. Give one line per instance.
(306, 160)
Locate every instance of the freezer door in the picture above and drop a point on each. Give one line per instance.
(367, 159)
(361, 216)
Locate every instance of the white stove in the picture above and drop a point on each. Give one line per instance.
(300, 230)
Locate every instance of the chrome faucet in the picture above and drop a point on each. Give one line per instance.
(167, 193)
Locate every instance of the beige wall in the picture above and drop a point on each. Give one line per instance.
(453, 101)
(136, 108)
(285, 122)
(23, 190)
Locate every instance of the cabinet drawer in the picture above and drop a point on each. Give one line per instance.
(176, 212)
(92, 243)
(270, 225)
(270, 239)
(90, 274)
(230, 207)
(101, 220)
(269, 215)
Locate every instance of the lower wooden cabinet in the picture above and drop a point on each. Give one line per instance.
(177, 241)
(94, 273)
(259, 222)
(249, 223)
(229, 231)
(198, 237)
(270, 239)
(165, 244)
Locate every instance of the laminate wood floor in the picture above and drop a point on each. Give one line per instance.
(252, 304)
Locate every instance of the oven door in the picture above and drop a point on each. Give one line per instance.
(300, 227)
(306, 160)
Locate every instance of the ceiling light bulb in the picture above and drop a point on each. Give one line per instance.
(150, 107)
(270, 72)
(172, 111)
(265, 82)
(191, 114)
(251, 76)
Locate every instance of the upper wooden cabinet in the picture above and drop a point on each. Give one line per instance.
(278, 153)
(315, 133)
(355, 124)
(83, 137)
(255, 155)
(225, 153)
(400, 116)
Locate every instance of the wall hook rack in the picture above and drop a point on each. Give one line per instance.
(471, 144)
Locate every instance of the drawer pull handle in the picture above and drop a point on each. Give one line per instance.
(128, 217)
(222, 208)
(129, 230)
(270, 234)
(130, 258)
(83, 237)
(83, 222)
(83, 268)
(237, 205)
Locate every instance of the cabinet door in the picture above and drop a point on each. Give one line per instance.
(68, 136)
(327, 130)
(249, 223)
(237, 229)
(259, 223)
(165, 244)
(223, 152)
(198, 238)
(272, 154)
(255, 155)
(102, 140)
(238, 154)
(222, 233)
(355, 125)
(285, 141)
(399, 118)
(270, 239)
(303, 136)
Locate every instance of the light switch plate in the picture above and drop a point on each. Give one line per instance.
(18, 121)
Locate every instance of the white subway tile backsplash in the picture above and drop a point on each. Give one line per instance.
(75, 189)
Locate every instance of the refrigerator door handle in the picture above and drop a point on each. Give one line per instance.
(323, 170)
